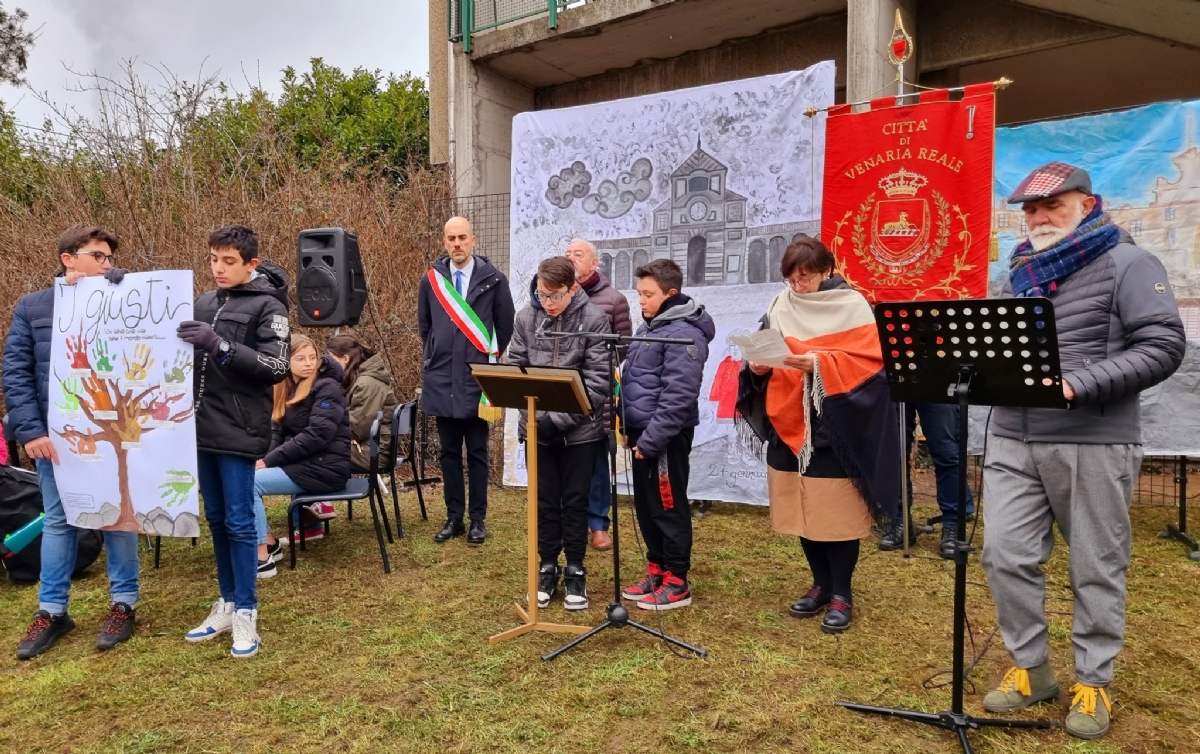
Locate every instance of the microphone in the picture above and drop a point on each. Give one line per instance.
(539, 333)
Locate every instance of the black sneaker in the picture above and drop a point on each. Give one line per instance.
(949, 534)
(645, 587)
(672, 593)
(811, 603)
(477, 534)
(267, 569)
(452, 529)
(43, 632)
(893, 538)
(575, 584)
(118, 626)
(275, 552)
(547, 583)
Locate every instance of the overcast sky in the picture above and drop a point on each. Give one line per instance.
(259, 37)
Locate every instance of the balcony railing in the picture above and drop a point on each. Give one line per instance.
(468, 17)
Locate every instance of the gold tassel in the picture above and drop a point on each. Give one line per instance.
(994, 248)
(490, 413)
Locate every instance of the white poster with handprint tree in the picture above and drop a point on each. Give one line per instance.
(121, 415)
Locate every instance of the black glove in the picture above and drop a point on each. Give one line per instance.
(115, 275)
(199, 334)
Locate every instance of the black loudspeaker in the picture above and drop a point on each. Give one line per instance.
(330, 284)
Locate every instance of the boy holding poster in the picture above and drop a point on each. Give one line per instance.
(241, 338)
(84, 252)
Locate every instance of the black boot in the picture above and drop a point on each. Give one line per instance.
(813, 601)
(949, 535)
(837, 617)
(453, 528)
(893, 538)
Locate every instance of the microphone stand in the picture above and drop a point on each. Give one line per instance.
(618, 614)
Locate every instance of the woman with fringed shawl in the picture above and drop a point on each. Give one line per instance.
(831, 432)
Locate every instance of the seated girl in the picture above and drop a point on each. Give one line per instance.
(368, 388)
(310, 443)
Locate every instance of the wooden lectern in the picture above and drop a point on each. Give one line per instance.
(533, 388)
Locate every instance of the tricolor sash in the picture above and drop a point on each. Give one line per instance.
(471, 326)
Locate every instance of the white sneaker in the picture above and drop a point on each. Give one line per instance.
(219, 621)
(245, 633)
(266, 568)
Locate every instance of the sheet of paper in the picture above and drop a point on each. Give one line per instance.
(763, 347)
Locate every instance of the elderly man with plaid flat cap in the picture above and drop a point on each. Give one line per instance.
(1119, 333)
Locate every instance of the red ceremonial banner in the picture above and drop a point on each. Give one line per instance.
(907, 196)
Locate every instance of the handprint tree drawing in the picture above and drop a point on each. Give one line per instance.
(123, 407)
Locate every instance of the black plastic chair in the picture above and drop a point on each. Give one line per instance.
(404, 421)
(355, 489)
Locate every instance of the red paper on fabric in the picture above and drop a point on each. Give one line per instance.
(906, 205)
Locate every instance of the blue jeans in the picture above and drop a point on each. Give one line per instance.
(600, 495)
(270, 482)
(227, 485)
(60, 547)
(939, 424)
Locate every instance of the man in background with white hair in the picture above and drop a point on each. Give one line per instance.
(616, 307)
(1119, 333)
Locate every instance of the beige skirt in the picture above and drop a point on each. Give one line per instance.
(827, 510)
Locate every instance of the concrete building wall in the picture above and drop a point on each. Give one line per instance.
(484, 108)
(1061, 65)
(788, 48)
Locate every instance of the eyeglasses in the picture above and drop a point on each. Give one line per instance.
(99, 256)
(802, 281)
(552, 297)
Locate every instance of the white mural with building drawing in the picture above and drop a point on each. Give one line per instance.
(718, 178)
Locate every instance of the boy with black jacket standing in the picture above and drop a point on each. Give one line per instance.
(567, 443)
(241, 337)
(660, 390)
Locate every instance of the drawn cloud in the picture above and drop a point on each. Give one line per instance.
(570, 184)
(615, 198)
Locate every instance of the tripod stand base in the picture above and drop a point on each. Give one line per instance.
(534, 625)
(959, 722)
(1171, 532)
(618, 617)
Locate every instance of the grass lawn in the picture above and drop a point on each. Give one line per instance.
(354, 660)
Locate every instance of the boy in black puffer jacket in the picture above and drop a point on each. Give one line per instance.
(660, 389)
(567, 443)
(241, 338)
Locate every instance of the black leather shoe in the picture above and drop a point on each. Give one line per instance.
(477, 534)
(893, 538)
(813, 601)
(453, 528)
(837, 617)
(949, 534)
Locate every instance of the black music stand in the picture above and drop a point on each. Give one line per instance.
(617, 614)
(983, 352)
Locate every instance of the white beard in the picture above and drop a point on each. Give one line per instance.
(1045, 236)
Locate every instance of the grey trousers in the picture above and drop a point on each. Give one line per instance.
(1086, 490)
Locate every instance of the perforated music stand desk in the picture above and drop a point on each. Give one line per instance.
(533, 389)
(989, 352)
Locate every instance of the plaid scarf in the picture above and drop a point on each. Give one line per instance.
(1037, 273)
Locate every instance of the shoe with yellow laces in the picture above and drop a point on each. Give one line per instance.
(1087, 719)
(1021, 688)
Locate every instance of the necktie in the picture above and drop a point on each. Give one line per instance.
(458, 281)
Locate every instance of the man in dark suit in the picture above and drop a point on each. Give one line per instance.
(464, 315)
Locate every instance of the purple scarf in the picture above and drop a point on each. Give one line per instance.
(1038, 273)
